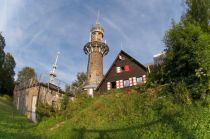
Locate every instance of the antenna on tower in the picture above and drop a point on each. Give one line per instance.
(121, 45)
(97, 19)
(52, 72)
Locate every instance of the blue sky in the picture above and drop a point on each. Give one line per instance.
(36, 29)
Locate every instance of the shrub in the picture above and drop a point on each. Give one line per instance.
(64, 101)
(181, 93)
(44, 111)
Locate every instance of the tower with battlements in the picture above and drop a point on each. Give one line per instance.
(96, 49)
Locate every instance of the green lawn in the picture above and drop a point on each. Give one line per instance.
(12, 124)
(117, 115)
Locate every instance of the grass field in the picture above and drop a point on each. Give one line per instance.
(117, 115)
(12, 124)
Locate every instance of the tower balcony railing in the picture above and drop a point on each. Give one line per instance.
(103, 47)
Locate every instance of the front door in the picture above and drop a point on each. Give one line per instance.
(33, 116)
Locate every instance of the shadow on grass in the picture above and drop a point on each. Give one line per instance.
(165, 119)
(18, 135)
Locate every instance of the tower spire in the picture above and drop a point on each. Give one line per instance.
(52, 72)
(97, 19)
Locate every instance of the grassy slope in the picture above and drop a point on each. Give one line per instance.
(117, 115)
(12, 124)
(122, 115)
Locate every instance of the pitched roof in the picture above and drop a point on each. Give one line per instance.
(127, 55)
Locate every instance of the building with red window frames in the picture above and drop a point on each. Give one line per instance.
(124, 72)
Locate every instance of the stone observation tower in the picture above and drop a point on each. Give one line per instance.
(96, 49)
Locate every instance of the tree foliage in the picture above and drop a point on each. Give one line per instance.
(187, 53)
(26, 74)
(198, 12)
(7, 73)
(2, 45)
(78, 84)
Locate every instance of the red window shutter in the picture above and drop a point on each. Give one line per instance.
(126, 67)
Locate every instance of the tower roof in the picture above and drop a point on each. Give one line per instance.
(97, 26)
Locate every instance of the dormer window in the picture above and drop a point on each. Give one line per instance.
(122, 69)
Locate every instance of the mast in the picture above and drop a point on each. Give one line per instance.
(52, 74)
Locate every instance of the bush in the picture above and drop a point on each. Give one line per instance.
(82, 100)
(64, 101)
(181, 93)
(5, 97)
(45, 111)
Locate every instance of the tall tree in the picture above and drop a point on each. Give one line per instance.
(2, 45)
(26, 74)
(2, 54)
(199, 12)
(8, 74)
(188, 48)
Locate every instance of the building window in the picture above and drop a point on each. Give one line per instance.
(113, 84)
(134, 81)
(130, 81)
(121, 57)
(119, 84)
(118, 69)
(140, 80)
(121, 69)
(126, 83)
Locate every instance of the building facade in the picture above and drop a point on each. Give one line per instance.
(159, 58)
(124, 72)
(26, 97)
